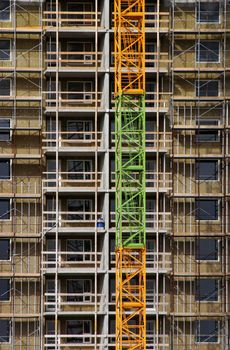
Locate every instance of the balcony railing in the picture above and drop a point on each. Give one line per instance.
(71, 60)
(69, 219)
(67, 20)
(71, 139)
(77, 302)
(72, 180)
(81, 341)
(71, 260)
(72, 99)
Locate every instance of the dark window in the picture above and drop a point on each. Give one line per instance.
(4, 209)
(79, 207)
(80, 90)
(207, 170)
(4, 129)
(4, 10)
(207, 88)
(207, 331)
(150, 8)
(50, 290)
(208, 12)
(81, 289)
(206, 289)
(5, 87)
(4, 331)
(209, 135)
(79, 247)
(79, 169)
(79, 130)
(78, 328)
(4, 169)
(4, 50)
(50, 330)
(4, 289)
(208, 51)
(4, 249)
(207, 249)
(207, 209)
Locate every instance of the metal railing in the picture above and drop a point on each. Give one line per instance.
(69, 219)
(74, 302)
(66, 139)
(73, 99)
(73, 59)
(72, 260)
(69, 19)
(84, 180)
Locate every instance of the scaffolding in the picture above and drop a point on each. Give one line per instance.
(199, 125)
(21, 70)
(105, 149)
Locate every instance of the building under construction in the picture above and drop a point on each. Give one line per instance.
(114, 175)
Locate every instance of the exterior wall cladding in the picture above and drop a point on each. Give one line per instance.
(57, 175)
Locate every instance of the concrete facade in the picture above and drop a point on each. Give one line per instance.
(57, 175)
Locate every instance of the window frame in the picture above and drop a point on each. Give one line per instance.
(217, 162)
(10, 130)
(86, 136)
(10, 50)
(200, 335)
(198, 20)
(197, 87)
(9, 291)
(8, 19)
(206, 300)
(10, 169)
(83, 54)
(10, 213)
(208, 260)
(83, 176)
(84, 256)
(199, 123)
(6, 239)
(83, 92)
(207, 200)
(9, 341)
(85, 298)
(198, 51)
(5, 96)
(84, 335)
(85, 214)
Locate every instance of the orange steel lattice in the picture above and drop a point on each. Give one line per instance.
(129, 21)
(130, 299)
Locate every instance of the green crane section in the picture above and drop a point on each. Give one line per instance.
(130, 171)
